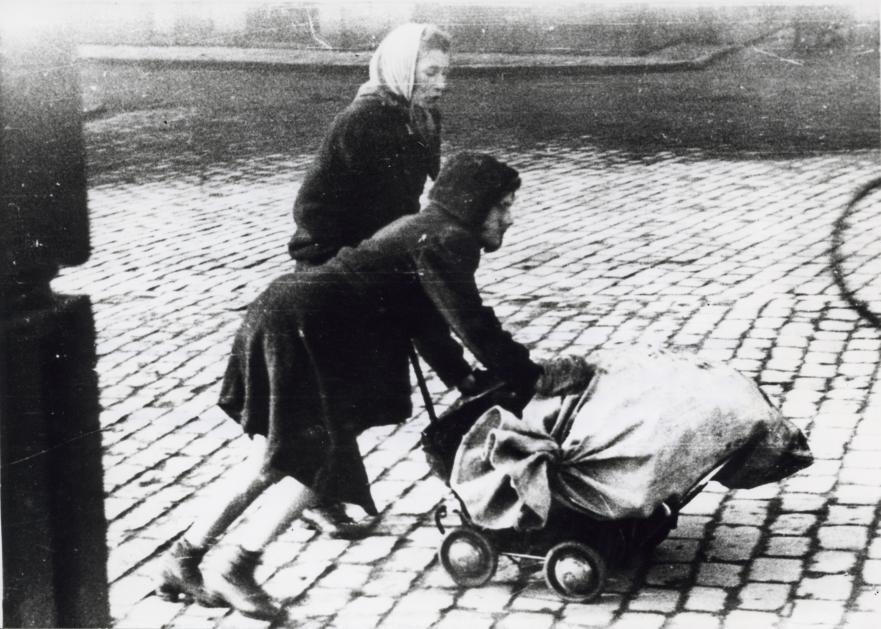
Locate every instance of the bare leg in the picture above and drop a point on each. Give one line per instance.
(235, 583)
(237, 490)
(179, 573)
(277, 516)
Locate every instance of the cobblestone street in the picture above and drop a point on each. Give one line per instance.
(725, 255)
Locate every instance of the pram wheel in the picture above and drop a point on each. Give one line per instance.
(575, 572)
(468, 557)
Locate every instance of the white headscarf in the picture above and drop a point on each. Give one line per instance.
(393, 65)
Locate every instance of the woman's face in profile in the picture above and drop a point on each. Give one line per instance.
(497, 223)
(431, 77)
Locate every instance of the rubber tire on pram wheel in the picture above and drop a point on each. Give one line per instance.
(468, 557)
(576, 572)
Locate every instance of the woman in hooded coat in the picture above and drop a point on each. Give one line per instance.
(371, 169)
(322, 354)
(375, 158)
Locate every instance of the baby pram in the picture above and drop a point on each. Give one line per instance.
(575, 483)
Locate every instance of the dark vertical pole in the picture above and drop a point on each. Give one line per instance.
(51, 490)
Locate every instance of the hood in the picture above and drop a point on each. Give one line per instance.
(470, 184)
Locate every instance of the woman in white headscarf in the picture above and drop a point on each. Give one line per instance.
(379, 151)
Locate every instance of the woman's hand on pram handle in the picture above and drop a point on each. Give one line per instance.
(477, 382)
(482, 384)
(558, 376)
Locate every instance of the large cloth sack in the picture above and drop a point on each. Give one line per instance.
(647, 428)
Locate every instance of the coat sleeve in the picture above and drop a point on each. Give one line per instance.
(432, 338)
(370, 143)
(360, 182)
(382, 177)
(446, 268)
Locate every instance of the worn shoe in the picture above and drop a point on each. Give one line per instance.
(236, 586)
(331, 518)
(179, 576)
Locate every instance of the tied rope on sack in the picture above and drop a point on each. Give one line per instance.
(392, 76)
(646, 429)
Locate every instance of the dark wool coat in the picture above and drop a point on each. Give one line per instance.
(371, 169)
(322, 353)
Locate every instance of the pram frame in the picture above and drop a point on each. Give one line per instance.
(580, 580)
(581, 584)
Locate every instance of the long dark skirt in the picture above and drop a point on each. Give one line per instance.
(314, 364)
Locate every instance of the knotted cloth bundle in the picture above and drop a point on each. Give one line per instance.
(646, 429)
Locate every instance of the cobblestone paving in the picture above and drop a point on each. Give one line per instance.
(724, 256)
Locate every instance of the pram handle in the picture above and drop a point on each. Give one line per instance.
(495, 387)
(426, 396)
(423, 388)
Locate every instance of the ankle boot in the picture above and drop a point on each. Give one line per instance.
(179, 575)
(236, 585)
